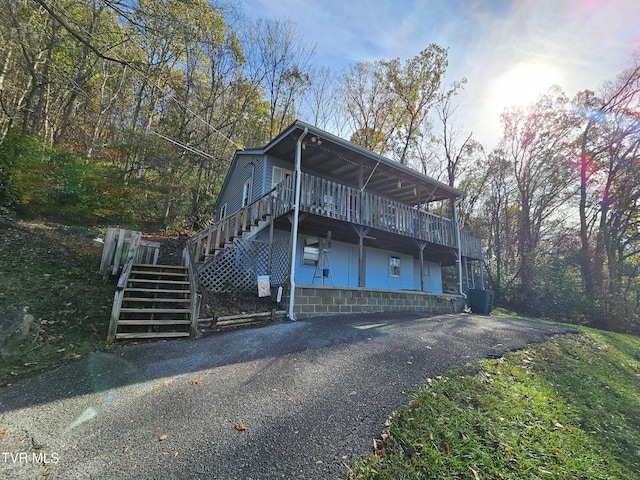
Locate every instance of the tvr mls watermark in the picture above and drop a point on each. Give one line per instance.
(22, 458)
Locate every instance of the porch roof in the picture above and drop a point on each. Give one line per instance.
(353, 165)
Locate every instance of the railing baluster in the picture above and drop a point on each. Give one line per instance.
(335, 200)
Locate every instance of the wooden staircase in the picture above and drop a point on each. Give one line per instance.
(153, 301)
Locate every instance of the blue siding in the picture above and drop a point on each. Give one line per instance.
(343, 259)
(432, 276)
(268, 173)
(377, 271)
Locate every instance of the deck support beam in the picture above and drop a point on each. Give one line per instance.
(421, 246)
(456, 225)
(362, 232)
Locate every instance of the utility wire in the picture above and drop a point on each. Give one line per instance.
(182, 145)
(126, 63)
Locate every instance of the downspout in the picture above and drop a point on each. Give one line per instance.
(294, 227)
(459, 260)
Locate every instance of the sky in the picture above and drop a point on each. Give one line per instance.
(510, 51)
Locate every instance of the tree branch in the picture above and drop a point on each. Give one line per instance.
(78, 37)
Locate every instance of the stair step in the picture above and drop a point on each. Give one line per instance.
(152, 335)
(143, 269)
(159, 300)
(154, 322)
(154, 290)
(166, 274)
(149, 280)
(160, 276)
(150, 265)
(154, 310)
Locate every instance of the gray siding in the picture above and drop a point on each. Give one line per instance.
(270, 163)
(244, 167)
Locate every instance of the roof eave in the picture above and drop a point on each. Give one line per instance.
(300, 125)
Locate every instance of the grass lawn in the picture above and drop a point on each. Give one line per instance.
(565, 409)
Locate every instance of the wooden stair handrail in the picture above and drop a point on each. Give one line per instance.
(232, 226)
(195, 292)
(117, 300)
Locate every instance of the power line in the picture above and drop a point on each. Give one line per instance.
(126, 63)
(182, 145)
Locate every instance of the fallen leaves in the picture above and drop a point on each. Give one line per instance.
(163, 437)
(195, 382)
(240, 427)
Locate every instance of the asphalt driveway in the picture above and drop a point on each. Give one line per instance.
(289, 400)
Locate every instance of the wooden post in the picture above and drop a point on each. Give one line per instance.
(361, 232)
(107, 251)
(269, 259)
(421, 246)
(119, 248)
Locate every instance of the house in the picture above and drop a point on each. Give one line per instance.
(352, 232)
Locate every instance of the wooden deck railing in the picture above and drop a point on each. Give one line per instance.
(340, 202)
(121, 245)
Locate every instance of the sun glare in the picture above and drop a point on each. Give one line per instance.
(522, 85)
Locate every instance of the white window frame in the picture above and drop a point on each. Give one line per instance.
(223, 211)
(310, 253)
(246, 193)
(281, 175)
(394, 266)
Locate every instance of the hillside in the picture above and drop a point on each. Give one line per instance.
(51, 272)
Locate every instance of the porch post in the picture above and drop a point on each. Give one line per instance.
(361, 232)
(459, 259)
(360, 261)
(465, 266)
(421, 246)
(294, 227)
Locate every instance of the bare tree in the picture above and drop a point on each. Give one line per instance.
(536, 144)
(609, 195)
(416, 89)
(279, 60)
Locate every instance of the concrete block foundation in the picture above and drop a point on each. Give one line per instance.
(313, 301)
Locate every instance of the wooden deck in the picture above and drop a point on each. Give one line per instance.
(339, 202)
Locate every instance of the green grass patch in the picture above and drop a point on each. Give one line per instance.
(565, 409)
(51, 271)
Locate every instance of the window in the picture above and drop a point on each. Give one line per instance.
(246, 193)
(279, 174)
(223, 211)
(311, 253)
(394, 266)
